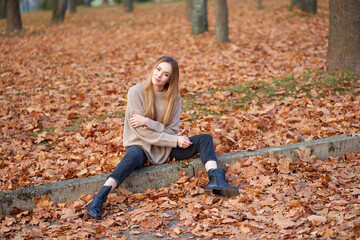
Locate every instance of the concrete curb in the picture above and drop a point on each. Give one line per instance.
(163, 175)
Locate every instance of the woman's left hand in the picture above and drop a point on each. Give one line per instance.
(183, 142)
(136, 120)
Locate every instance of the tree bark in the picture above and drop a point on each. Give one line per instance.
(129, 6)
(87, 3)
(205, 17)
(344, 35)
(189, 9)
(58, 10)
(294, 3)
(309, 6)
(13, 16)
(73, 6)
(106, 2)
(199, 16)
(2, 9)
(221, 12)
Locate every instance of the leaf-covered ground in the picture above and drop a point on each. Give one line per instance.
(63, 87)
(280, 199)
(63, 96)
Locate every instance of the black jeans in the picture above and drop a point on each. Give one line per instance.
(136, 158)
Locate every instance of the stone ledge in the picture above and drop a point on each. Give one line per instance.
(163, 175)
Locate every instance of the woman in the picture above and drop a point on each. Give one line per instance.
(152, 121)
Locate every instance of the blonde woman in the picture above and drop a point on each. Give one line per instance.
(152, 121)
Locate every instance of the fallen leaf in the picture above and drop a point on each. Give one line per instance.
(43, 202)
(282, 221)
(284, 165)
(317, 220)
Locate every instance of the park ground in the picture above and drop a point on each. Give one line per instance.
(63, 96)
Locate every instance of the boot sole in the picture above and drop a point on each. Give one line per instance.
(90, 213)
(226, 192)
(93, 215)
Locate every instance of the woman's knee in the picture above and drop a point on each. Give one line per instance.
(135, 154)
(206, 137)
(135, 151)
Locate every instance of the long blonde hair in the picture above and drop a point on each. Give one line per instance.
(172, 95)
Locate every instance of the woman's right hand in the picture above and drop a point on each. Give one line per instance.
(183, 142)
(136, 120)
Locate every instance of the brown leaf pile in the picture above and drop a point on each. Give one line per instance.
(63, 87)
(307, 199)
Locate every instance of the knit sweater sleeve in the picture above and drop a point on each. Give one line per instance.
(165, 138)
(172, 127)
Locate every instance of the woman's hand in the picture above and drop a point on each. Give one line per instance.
(136, 120)
(183, 142)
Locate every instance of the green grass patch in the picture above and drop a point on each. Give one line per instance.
(119, 114)
(310, 84)
(80, 121)
(49, 130)
(152, 2)
(47, 144)
(77, 123)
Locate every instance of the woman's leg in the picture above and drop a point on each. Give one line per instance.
(134, 158)
(111, 182)
(203, 144)
(210, 165)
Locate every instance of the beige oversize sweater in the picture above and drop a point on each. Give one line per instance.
(156, 140)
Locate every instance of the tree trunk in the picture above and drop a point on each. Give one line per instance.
(199, 17)
(13, 16)
(221, 12)
(309, 6)
(87, 3)
(58, 10)
(294, 3)
(260, 5)
(2, 9)
(205, 17)
(344, 35)
(129, 6)
(106, 2)
(73, 6)
(189, 9)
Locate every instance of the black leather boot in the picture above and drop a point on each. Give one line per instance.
(95, 209)
(218, 185)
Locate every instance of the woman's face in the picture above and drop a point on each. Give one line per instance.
(161, 76)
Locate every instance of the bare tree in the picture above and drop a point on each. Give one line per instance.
(58, 10)
(189, 9)
(87, 3)
(295, 2)
(129, 5)
(2, 9)
(309, 6)
(344, 35)
(199, 16)
(73, 6)
(13, 16)
(221, 11)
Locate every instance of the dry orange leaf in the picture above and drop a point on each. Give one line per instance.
(43, 202)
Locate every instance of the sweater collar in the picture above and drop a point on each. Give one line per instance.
(159, 94)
